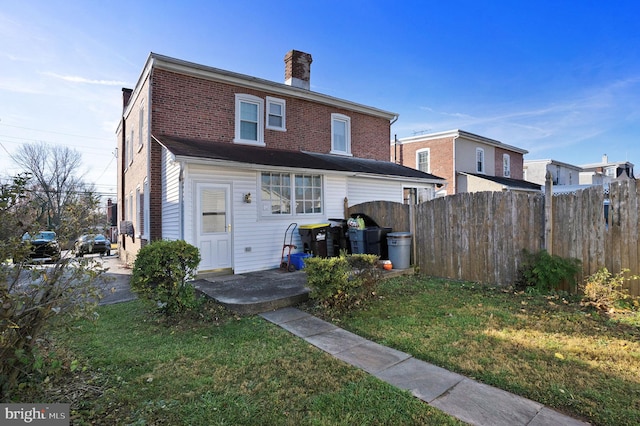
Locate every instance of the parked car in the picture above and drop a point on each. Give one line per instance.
(44, 246)
(92, 243)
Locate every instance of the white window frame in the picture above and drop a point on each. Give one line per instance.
(127, 156)
(141, 127)
(130, 151)
(292, 204)
(422, 151)
(506, 165)
(130, 212)
(146, 213)
(136, 219)
(259, 102)
(347, 122)
(479, 160)
(283, 105)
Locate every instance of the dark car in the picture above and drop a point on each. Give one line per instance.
(44, 246)
(90, 243)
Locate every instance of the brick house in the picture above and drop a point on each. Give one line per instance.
(469, 162)
(227, 161)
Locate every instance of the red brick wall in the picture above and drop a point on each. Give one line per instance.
(191, 107)
(440, 153)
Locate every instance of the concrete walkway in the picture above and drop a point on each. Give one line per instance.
(472, 402)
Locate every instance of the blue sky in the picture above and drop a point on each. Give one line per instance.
(558, 78)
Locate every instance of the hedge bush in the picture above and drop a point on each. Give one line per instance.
(161, 275)
(543, 272)
(342, 282)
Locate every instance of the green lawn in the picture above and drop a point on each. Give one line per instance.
(239, 371)
(545, 348)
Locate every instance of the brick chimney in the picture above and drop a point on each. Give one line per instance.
(297, 69)
(126, 96)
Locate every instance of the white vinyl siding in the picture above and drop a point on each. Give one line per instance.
(361, 190)
(171, 220)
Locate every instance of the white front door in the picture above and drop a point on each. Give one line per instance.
(214, 226)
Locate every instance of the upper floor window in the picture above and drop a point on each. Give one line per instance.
(249, 120)
(340, 134)
(422, 160)
(141, 127)
(130, 149)
(276, 118)
(506, 165)
(127, 150)
(479, 160)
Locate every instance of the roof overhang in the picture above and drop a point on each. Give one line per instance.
(263, 159)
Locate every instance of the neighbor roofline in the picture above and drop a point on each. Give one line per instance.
(460, 134)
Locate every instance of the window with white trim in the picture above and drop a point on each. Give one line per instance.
(130, 212)
(141, 127)
(130, 151)
(276, 117)
(308, 194)
(290, 194)
(423, 161)
(139, 211)
(127, 155)
(145, 209)
(506, 165)
(340, 134)
(249, 120)
(479, 160)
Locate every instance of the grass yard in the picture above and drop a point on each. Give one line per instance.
(128, 369)
(545, 348)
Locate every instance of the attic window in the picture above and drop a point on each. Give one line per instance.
(249, 120)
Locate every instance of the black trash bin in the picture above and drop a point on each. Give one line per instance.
(376, 241)
(336, 237)
(314, 238)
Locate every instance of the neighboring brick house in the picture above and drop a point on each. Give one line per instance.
(469, 163)
(227, 161)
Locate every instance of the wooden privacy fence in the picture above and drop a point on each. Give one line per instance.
(480, 236)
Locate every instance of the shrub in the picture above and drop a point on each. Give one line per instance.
(342, 282)
(161, 275)
(604, 290)
(543, 272)
(35, 298)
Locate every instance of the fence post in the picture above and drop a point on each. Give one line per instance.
(412, 229)
(548, 213)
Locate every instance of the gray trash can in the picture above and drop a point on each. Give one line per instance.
(399, 249)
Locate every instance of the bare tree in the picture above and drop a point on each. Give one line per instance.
(58, 187)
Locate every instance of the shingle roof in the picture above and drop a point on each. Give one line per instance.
(511, 183)
(247, 154)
